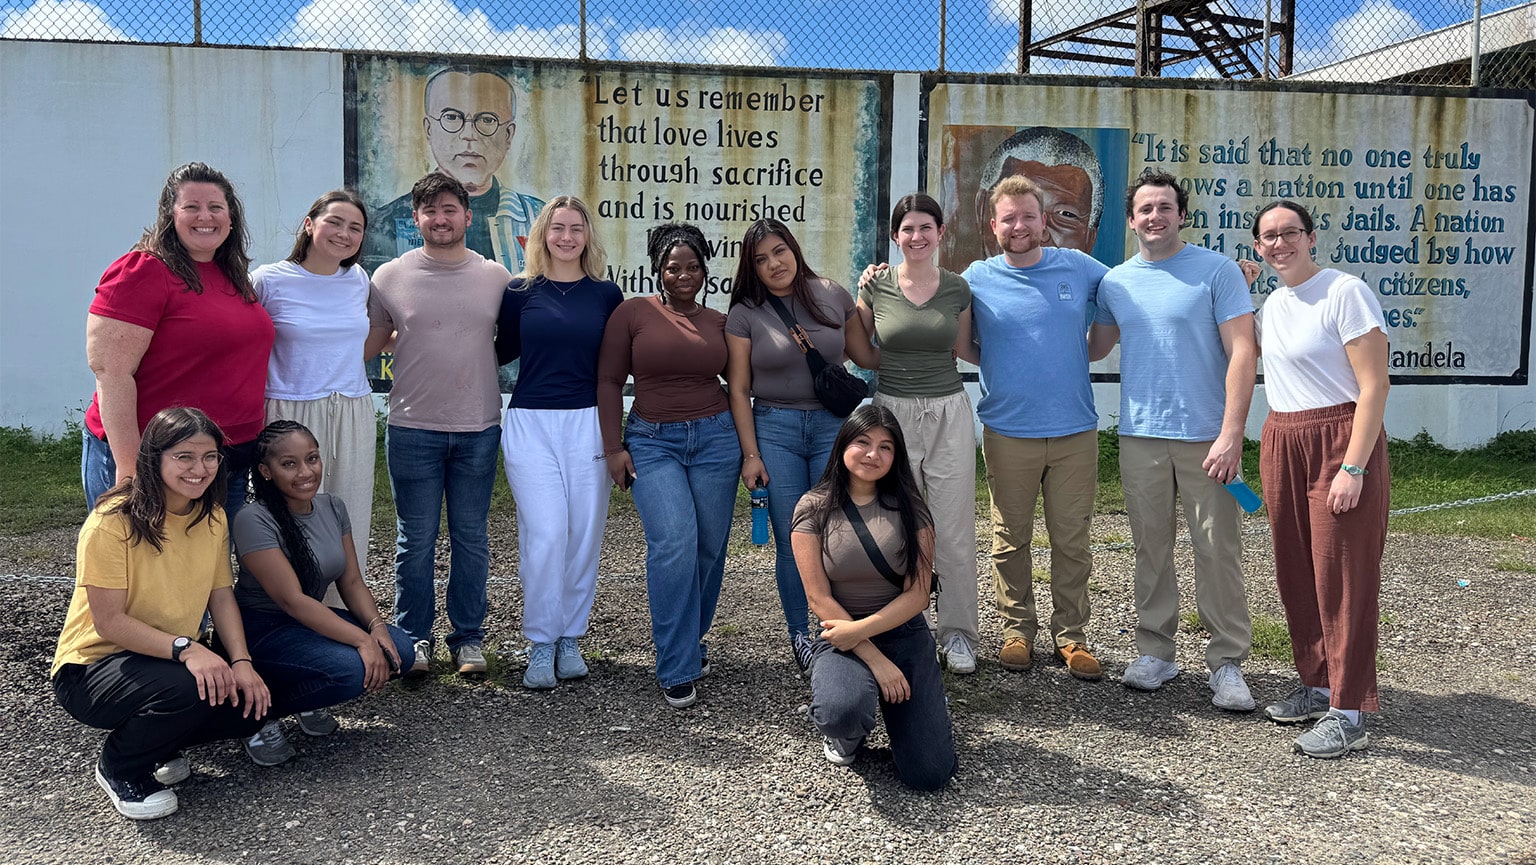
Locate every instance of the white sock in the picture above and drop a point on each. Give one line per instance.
(1325, 693)
(1352, 714)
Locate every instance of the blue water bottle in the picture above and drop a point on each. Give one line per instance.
(1247, 499)
(760, 515)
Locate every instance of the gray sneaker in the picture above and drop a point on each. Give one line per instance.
(1229, 691)
(269, 747)
(317, 723)
(1333, 736)
(1148, 673)
(469, 659)
(838, 753)
(568, 661)
(1303, 704)
(422, 663)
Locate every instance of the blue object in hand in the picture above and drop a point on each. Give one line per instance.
(760, 515)
(1247, 499)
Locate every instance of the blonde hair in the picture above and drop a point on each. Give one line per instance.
(1013, 186)
(594, 260)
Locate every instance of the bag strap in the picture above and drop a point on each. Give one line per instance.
(801, 338)
(871, 549)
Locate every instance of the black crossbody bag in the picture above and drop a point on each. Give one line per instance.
(839, 390)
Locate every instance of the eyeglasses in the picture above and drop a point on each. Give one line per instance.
(1290, 235)
(486, 122)
(209, 460)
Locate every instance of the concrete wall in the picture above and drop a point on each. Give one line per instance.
(91, 131)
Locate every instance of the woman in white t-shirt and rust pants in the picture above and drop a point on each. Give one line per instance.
(1323, 463)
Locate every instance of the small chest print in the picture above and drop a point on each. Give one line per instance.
(1063, 291)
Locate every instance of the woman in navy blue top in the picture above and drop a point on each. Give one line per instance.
(552, 321)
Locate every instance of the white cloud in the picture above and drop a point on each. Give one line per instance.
(1376, 24)
(1053, 16)
(719, 46)
(61, 19)
(428, 26)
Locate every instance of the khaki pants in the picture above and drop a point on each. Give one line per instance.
(1157, 474)
(941, 445)
(1066, 469)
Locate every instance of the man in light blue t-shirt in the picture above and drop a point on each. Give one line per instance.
(1184, 320)
(1030, 310)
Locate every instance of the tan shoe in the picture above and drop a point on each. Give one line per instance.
(1017, 654)
(1079, 662)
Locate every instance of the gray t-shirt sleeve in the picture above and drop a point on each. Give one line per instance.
(255, 529)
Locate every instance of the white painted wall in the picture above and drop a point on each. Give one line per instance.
(91, 131)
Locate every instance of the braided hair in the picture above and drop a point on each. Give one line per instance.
(661, 240)
(300, 555)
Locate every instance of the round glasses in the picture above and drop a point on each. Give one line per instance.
(209, 460)
(486, 123)
(1290, 235)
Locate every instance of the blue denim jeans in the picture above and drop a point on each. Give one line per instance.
(98, 471)
(686, 475)
(304, 669)
(795, 446)
(844, 696)
(426, 468)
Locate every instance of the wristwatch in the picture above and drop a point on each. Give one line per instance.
(1353, 470)
(178, 646)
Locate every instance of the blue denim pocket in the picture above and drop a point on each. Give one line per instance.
(639, 426)
(725, 421)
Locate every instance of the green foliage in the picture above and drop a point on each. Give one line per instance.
(40, 480)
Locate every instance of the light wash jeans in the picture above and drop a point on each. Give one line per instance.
(686, 474)
(795, 446)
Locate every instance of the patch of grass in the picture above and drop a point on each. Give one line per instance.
(40, 480)
(726, 629)
(1189, 622)
(1426, 472)
(1271, 638)
(1041, 575)
(1515, 566)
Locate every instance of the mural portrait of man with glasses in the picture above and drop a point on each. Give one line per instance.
(469, 119)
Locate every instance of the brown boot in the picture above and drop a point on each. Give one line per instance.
(1017, 654)
(1079, 662)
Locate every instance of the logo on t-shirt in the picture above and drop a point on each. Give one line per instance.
(1063, 291)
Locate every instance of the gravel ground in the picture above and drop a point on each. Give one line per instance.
(1051, 769)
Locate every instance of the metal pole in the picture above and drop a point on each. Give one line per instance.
(1143, 40)
(197, 22)
(583, 30)
(1268, 13)
(1477, 41)
(1024, 26)
(943, 19)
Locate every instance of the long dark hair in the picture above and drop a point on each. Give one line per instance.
(163, 243)
(303, 240)
(141, 498)
(897, 491)
(300, 555)
(747, 288)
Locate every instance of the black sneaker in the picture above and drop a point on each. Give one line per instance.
(680, 696)
(145, 799)
(802, 645)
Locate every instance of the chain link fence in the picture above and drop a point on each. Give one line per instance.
(1491, 43)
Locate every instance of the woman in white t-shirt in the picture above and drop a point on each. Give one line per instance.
(318, 300)
(1326, 479)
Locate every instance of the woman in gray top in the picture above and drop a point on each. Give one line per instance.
(875, 650)
(294, 543)
(786, 435)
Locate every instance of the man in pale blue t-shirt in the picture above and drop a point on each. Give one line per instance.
(1030, 313)
(1184, 320)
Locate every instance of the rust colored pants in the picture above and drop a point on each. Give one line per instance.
(1327, 565)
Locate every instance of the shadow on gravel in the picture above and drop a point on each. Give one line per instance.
(1479, 735)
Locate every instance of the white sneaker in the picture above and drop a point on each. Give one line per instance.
(1230, 691)
(834, 752)
(421, 664)
(959, 657)
(1147, 673)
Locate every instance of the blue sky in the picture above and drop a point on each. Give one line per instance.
(865, 34)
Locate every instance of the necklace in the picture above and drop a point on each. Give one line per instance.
(563, 287)
(697, 308)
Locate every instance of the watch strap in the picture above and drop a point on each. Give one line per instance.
(1357, 471)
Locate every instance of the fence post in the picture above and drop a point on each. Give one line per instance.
(1477, 41)
(197, 22)
(1026, 28)
(943, 20)
(583, 5)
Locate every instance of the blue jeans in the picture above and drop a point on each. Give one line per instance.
(98, 471)
(304, 669)
(685, 490)
(427, 467)
(844, 696)
(795, 446)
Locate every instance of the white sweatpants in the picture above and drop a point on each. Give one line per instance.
(555, 466)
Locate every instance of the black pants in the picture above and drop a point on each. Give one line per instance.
(150, 705)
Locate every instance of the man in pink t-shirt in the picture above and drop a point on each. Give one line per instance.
(439, 304)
